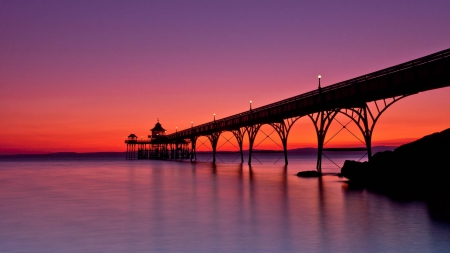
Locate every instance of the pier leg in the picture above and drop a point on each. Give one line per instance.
(193, 149)
(285, 151)
(251, 131)
(366, 132)
(322, 121)
(132, 156)
(320, 141)
(283, 128)
(184, 151)
(174, 151)
(239, 135)
(187, 154)
(368, 140)
(214, 138)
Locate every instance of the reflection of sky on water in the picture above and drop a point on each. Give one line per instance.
(157, 206)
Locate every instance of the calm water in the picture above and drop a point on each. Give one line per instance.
(158, 206)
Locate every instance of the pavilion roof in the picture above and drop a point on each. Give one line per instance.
(158, 127)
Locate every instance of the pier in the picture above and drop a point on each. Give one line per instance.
(353, 98)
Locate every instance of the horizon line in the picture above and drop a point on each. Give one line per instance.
(202, 151)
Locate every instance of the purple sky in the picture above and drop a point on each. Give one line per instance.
(103, 69)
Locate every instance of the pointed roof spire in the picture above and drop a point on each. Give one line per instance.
(158, 127)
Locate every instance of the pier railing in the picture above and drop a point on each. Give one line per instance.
(146, 141)
(240, 119)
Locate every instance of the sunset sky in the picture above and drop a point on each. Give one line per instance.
(81, 75)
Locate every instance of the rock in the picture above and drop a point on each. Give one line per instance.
(354, 170)
(309, 173)
(418, 168)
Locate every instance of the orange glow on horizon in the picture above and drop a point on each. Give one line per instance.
(105, 132)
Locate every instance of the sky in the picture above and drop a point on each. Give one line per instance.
(79, 76)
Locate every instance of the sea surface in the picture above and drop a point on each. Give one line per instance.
(117, 205)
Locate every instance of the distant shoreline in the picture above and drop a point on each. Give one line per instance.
(119, 155)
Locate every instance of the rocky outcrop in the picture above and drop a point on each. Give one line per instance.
(417, 170)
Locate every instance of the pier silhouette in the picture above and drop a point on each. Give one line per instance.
(362, 99)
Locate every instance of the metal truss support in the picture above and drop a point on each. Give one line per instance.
(365, 118)
(283, 128)
(322, 121)
(239, 134)
(193, 148)
(214, 138)
(251, 131)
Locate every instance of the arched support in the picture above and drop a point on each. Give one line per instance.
(239, 135)
(214, 138)
(193, 148)
(322, 121)
(366, 118)
(251, 131)
(283, 128)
